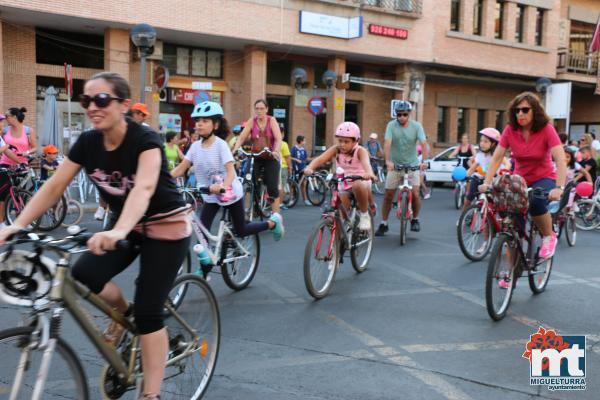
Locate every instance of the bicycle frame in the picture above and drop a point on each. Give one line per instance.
(405, 187)
(66, 293)
(486, 212)
(214, 250)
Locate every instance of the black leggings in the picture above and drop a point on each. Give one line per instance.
(271, 175)
(159, 262)
(238, 217)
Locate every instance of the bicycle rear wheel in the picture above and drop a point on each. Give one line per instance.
(192, 352)
(361, 247)
(321, 259)
(458, 196)
(540, 274)
(475, 236)
(570, 229)
(316, 188)
(20, 346)
(14, 206)
(379, 186)
(500, 278)
(54, 216)
(291, 192)
(238, 273)
(587, 217)
(403, 206)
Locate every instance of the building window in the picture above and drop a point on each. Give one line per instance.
(356, 71)
(500, 120)
(461, 122)
(477, 17)
(442, 125)
(455, 15)
(188, 61)
(279, 72)
(539, 26)
(319, 69)
(499, 19)
(519, 23)
(480, 120)
(78, 49)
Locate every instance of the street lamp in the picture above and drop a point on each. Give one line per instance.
(329, 78)
(144, 37)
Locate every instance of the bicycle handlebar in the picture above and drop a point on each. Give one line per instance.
(406, 167)
(206, 190)
(265, 150)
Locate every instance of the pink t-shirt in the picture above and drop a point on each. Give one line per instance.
(533, 157)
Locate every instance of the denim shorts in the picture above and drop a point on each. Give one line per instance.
(539, 206)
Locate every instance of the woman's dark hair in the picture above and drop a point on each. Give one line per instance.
(170, 135)
(540, 118)
(18, 112)
(223, 130)
(261, 101)
(299, 139)
(564, 138)
(119, 85)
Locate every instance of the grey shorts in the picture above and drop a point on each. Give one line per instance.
(395, 178)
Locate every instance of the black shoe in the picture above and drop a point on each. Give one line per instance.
(415, 226)
(381, 230)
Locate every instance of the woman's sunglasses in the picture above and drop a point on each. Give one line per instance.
(524, 110)
(402, 114)
(102, 100)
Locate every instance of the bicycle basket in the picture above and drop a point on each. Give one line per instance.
(25, 278)
(509, 193)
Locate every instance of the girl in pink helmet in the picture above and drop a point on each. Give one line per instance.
(488, 141)
(354, 160)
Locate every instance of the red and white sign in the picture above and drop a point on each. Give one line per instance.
(315, 105)
(161, 77)
(381, 30)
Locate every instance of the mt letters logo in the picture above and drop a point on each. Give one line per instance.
(556, 361)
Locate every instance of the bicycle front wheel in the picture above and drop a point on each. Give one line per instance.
(475, 235)
(15, 203)
(316, 189)
(321, 259)
(500, 278)
(54, 216)
(403, 207)
(21, 361)
(587, 217)
(239, 272)
(194, 337)
(539, 274)
(291, 192)
(74, 213)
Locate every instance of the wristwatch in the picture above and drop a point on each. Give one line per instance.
(561, 188)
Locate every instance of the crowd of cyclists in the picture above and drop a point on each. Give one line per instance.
(133, 171)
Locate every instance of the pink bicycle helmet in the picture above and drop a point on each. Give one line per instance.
(348, 129)
(491, 133)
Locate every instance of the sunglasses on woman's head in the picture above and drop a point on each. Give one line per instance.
(524, 110)
(102, 100)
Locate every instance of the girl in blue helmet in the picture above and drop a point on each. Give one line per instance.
(214, 168)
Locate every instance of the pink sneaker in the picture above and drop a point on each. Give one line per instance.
(503, 284)
(548, 246)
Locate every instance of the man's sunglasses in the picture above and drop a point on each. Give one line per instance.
(402, 114)
(524, 110)
(102, 100)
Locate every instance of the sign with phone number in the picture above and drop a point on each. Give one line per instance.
(388, 31)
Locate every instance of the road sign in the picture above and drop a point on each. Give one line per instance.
(161, 77)
(315, 105)
(393, 104)
(201, 96)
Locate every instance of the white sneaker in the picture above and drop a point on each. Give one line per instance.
(307, 203)
(427, 196)
(99, 214)
(364, 223)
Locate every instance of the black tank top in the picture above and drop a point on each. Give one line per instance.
(468, 153)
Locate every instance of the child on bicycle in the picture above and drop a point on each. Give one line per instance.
(575, 172)
(49, 163)
(488, 142)
(354, 160)
(214, 167)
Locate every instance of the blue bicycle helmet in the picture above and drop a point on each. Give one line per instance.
(207, 109)
(237, 128)
(402, 105)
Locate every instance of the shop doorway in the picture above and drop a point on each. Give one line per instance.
(351, 112)
(279, 107)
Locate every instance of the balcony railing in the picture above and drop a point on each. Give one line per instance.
(413, 7)
(577, 62)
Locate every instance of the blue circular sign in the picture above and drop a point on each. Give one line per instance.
(315, 105)
(201, 96)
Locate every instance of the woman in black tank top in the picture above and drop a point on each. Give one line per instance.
(464, 150)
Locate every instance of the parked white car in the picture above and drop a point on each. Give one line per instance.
(441, 166)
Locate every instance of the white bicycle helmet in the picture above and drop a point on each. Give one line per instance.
(207, 109)
(402, 106)
(22, 281)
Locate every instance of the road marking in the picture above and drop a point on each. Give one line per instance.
(467, 296)
(429, 378)
(283, 292)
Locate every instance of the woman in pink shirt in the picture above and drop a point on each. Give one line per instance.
(534, 144)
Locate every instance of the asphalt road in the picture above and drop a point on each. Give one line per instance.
(413, 326)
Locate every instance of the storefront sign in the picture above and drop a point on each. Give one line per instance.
(330, 25)
(169, 122)
(315, 105)
(161, 77)
(381, 30)
(202, 85)
(189, 96)
(279, 112)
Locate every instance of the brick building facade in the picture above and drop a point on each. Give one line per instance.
(458, 61)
